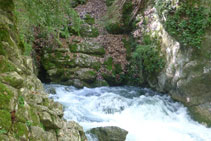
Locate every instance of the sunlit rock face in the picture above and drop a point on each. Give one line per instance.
(26, 112)
(187, 73)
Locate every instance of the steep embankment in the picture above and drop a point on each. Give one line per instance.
(26, 113)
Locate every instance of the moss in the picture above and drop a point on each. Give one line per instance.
(6, 65)
(20, 130)
(92, 73)
(12, 81)
(20, 116)
(96, 66)
(117, 69)
(114, 28)
(109, 63)
(46, 102)
(5, 119)
(34, 116)
(89, 31)
(88, 19)
(7, 5)
(73, 47)
(4, 32)
(5, 97)
(109, 2)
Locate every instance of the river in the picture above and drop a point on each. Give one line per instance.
(145, 114)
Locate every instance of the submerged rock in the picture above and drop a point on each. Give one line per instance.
(109, 133)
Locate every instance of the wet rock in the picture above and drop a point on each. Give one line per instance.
(110, 133)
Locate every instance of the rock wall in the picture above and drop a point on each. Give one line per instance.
(26, 113)
(187, 73)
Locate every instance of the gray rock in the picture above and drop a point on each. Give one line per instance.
(109, 133)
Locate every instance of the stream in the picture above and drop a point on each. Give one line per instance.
(145, 114)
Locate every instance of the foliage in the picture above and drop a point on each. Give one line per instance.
(3, 131)
(126, 14)
(28, 123)
(75, 3)
(21, 100)
(108, 63)
(119, 20)
(109, 2)
(52, 17)
(187, 24)
(147, 56)
(89, 19)
(75, 21)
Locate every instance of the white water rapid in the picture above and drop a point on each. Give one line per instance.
(146, 115)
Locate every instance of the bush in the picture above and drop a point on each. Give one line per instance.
(147, 56)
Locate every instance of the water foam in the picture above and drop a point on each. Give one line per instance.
(146, 115)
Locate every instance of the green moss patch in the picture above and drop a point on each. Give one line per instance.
(89, 19)
(5, 120)
(5, 97)
(109, 63)
(6, 65)
(87, 31)
(20, 130)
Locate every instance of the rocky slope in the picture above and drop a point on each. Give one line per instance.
(26, 113)
(94, 58)
(186, 75)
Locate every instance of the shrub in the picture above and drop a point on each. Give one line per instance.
(147, 56)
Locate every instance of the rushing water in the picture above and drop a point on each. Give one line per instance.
(146, 115)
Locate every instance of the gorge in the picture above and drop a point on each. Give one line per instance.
(102, 62)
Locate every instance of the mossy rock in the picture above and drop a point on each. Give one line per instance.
(34, 116)
(22, 114)
(89, 31)
(5, 120)
(201, 115)
(109, 63)
(13, 79)
(87, 75)
(87, 48)
(6, 65)
(21, 130)
(5, 96)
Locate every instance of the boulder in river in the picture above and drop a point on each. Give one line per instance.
(109, 133)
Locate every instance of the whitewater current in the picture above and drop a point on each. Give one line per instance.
(145, 114)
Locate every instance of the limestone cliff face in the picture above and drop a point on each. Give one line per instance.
(26, 113)
(187, 73)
